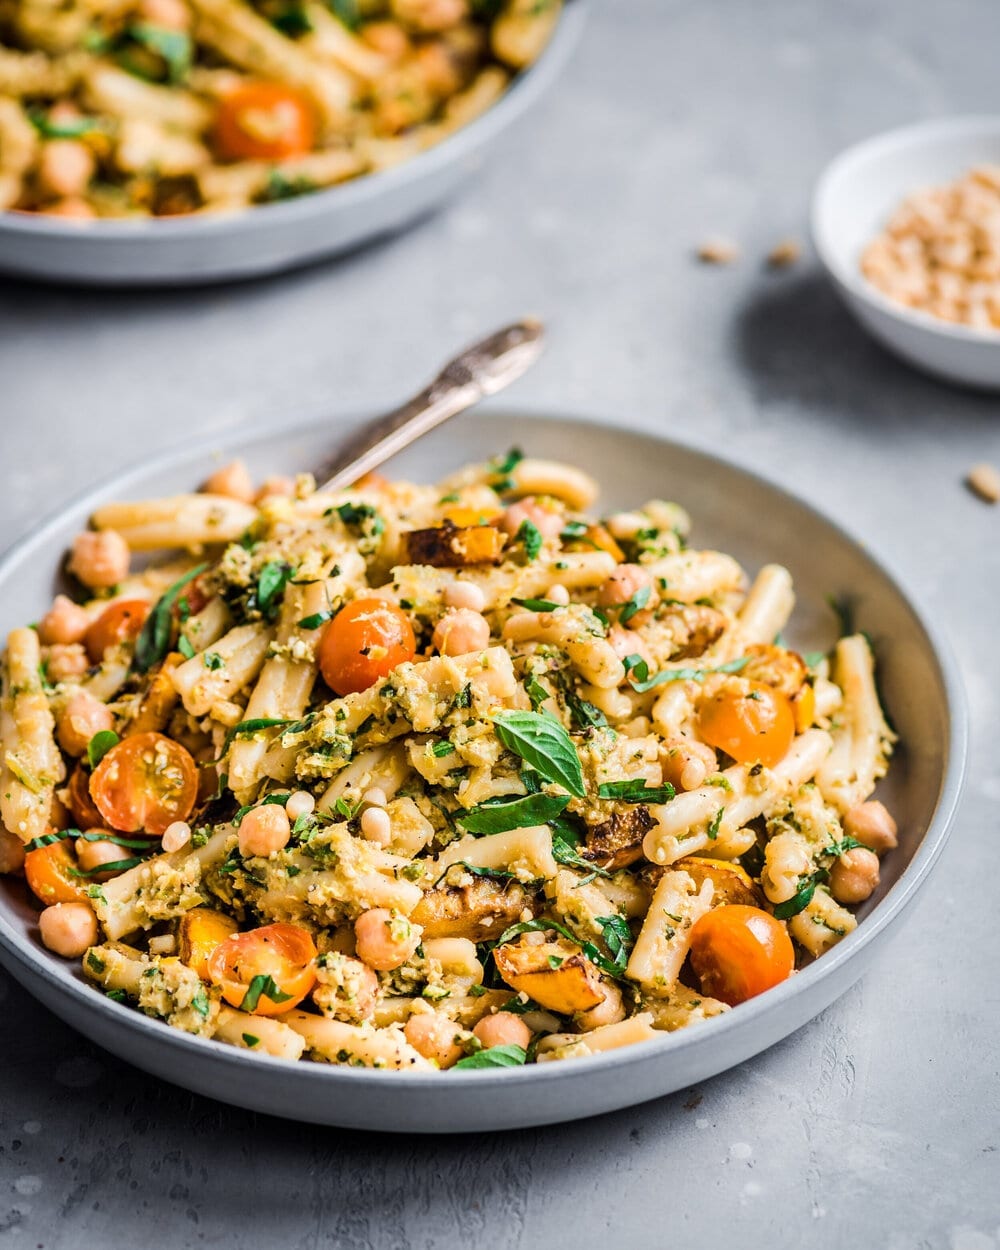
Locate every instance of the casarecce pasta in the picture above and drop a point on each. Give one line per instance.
(427, 777)
(163, 107)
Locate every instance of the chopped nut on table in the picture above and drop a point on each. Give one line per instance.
(984, 481)
(784, 254)
(718, 251)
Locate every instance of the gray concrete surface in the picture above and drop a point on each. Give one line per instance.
(876, 1126)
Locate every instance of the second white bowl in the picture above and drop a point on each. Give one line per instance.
(854, 199)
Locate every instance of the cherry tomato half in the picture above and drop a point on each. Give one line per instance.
(749, 721)
(364, 641)
(121, 622)
(263, 121)
(738, 952)
(277, 958)
(145, 782)
(48, 871)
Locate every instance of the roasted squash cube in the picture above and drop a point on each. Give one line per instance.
(199, 933)
(450, 546)
(557, 974)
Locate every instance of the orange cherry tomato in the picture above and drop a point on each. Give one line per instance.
(49, 873)
(145, 783)
(750, 722)
(278, 958)
(263, 121)
(119, 623)
(364, 641)
(81, 805)
(738, 952)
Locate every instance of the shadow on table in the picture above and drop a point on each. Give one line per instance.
(800, 346)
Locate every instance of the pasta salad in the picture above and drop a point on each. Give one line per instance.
(163, 107)
(431, 777)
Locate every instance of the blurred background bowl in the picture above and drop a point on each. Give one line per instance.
(854, 199)
(269, 238)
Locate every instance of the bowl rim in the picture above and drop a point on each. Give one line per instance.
(523, 90)
(848, 277)
(25, 952)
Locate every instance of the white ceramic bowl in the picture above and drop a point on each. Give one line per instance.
(268, 238)
(922, 692)
(854, 199)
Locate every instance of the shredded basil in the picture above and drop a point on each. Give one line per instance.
(538, 605)
(529, 534)
(153, 641)
(634, 604)
(638, 672)
(801, 899)
(274, 576)
(635, 791)
(262, 986)
(314, 621)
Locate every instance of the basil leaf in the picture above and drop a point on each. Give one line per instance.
(529, 534)
(154, 637)
(262, 986)
(635, 604)
(355, 516)
(538, 605)
(314, 621)
(495, 1057)
(635, 792)
(573, 530)
(617, 938)
(520, 813)
(173, 47)
(271, 583)
(641, 681)
(501, 467)
(846, 843)
(541, 741)
(801, 899)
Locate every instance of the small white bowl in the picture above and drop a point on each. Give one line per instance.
(854, 199)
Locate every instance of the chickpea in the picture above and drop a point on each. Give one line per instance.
(503, 1029)
(64, 622)
(73, 208)
(82, 717)
(275, 488)
(610, 1011)
(872, 823)
(686, 763)
(300, 803)
(176, 836)
(464, 595)
(65, 167)
(435, 1037)
(93, 855)
(626, 581)
(68, 928)
(854, 875)
(64, 662)
(171, 14)
(11, 852)
(461, 631)
(232, 480)
(264, 830)
(385, 939)
(387, 38)
(100, 558)
(376, 825)
(547, 521)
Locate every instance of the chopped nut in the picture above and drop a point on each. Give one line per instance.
(718, 252)
(784, 254)
(984, 481)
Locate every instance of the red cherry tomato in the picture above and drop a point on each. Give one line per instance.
(121, 622)
(738, 952)
(364, 641)
(278, 958)
(263, 121)
(145, 783)
(749, 721)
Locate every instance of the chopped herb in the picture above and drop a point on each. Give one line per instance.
(346, 11)
(501, 467)
(271, 582)
(497, 816)
(442, 748)
(565, 843)
(843, 610)
(713, 828)
(67, 128)
(477, 870)
(813, 659)
(638, 672)
(116, 996)
(584, 714)
(153, 641)
(536, 693)
(538, 605)
(185, 648)
(477, 991)
(635, 791)
(463, 698)
(94, 962)
(801, 899)
(611, 965)
(213, 660)
(201, 1004)
(845, 844)
(360, 517)
(250, 1040)
(247, 729)
(173, 47)
(262, 986)
(495, 1057)
(556, 961)
(95, 891)
(617, 938)
(314, 621)
(343, 808)
(573, 530)
(541, 741)
(634, 604)
(529, 534)
(720, 780)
